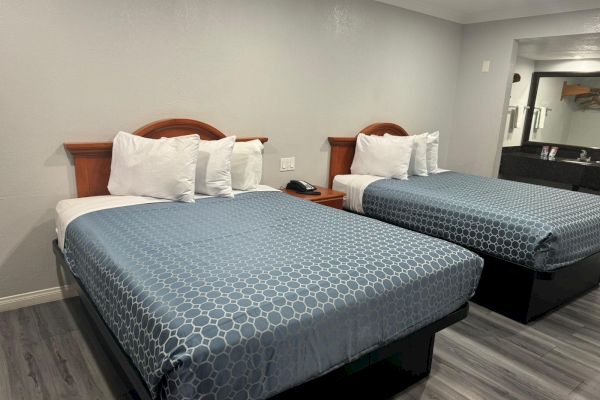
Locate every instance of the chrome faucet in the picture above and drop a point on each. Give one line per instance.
(583, 156)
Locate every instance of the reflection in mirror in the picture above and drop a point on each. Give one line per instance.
(566, 110)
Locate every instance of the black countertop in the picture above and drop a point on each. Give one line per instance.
(557, 159)
(560, 169)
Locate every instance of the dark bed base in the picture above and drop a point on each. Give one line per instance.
(523, 294)
(124, 365)
(382, 373)
(378, 374)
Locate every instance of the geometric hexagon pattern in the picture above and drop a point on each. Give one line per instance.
(540, 227)
(243, 298)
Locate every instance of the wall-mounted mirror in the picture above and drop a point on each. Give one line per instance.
(564, 109)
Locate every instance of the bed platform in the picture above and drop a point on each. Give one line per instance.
(524, 294)
(379, 373)
(510, 288)
(107, 340)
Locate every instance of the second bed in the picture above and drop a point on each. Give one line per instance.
(541, 245)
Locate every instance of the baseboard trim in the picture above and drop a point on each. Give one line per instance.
(37, 297)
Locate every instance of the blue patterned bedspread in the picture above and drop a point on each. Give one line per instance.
(539, 227)
(243, 298)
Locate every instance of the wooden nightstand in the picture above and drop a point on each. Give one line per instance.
(328, 197)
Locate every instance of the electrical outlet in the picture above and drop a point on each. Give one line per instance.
(287, 164)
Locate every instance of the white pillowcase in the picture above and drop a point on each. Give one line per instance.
(213, 171)
(433, 140)
(380, 156)
(246, 165)
(163, 168)
(418, 158)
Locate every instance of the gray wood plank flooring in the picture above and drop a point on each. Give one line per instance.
(49, 351)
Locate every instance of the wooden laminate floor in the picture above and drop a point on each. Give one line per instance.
(49, 352)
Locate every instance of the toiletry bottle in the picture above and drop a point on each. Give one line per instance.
(544, 154)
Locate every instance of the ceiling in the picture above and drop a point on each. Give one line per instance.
(561, 47)
(472, 11)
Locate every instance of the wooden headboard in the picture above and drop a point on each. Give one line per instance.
(342, 148)
(92, 160)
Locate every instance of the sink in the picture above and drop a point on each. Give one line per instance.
(582, 162)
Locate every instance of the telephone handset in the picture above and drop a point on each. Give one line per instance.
(302, 187)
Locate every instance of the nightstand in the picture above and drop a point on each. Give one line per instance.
(328, 197)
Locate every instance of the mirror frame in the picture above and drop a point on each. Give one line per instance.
(535, 81)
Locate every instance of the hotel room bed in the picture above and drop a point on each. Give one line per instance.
(539, 227)
(541, 245)
(248, 297)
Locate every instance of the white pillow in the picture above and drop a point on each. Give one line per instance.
(418, 158)
(433, 140)
(162, 168)
(380, 156)
(213, 173)
(246, 165)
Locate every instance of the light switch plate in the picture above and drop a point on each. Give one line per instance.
(287, 164)
(485, 66)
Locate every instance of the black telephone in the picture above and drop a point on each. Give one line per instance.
(302, 187)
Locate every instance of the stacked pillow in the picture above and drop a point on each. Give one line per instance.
(382, 156)
(176, 168)
(433, 140)
(213, 173)
(246, 165)
(162, 168)
(418, 157)
(396, 157)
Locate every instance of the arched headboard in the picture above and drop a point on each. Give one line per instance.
(179, 127)
(342, 148)
(92, 160)
(381, 128)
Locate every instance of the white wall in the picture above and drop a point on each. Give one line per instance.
(481, 103)
(558, 113)
(589, 65)
(296, 71)
(584, 129)
(519, 96)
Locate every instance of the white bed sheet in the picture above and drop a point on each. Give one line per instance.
(354, 186)
(68, 210)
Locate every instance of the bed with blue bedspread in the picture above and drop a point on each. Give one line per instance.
(247, 297)
(538, 227)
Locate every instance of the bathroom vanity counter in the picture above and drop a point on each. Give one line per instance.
(560, 170)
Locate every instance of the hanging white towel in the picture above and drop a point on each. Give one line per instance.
(519, 114)
(542, 117)
(511, 120)
(536, 118)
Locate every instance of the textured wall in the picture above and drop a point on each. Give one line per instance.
(296, 71)
(482, 98)
(589, 65)
(558, 118)
(584, 124)
(519, 96)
